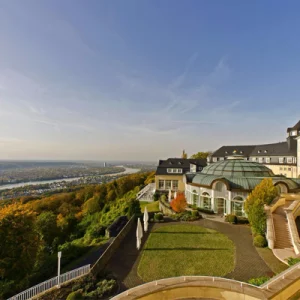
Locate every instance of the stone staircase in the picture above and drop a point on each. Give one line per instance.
(282, 234)
(283, 248)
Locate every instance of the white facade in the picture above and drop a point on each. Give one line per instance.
(218, 199)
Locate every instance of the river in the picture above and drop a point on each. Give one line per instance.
(20, 184)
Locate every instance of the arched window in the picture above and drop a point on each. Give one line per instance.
(205, 200)
(237, 206)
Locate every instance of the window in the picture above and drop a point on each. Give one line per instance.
(200, 168)
(161, 184)
(266, 151)
(280, 169)
(284, 169)
(281, 159)
(221, 158)
(175, 185)
(258, 151)
(237, 208)
(168, 184)
(226, 152)
(206, 202)
(174, 170)
(290, 169)
(253, 158)
(294, 133)
(268, 160)
(289, 160)
(241, 152)
(215, 159)
(260, 159)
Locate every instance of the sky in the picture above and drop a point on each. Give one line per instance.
(143, 80)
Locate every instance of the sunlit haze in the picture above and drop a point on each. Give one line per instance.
(142, 80)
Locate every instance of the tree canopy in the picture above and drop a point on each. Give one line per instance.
(264, 193)
(201, 155)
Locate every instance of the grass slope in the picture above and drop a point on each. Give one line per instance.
(178, 250)
(151, 206)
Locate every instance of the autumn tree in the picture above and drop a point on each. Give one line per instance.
(20, 242)
(179, 203)
(264, 193)
(201, 155)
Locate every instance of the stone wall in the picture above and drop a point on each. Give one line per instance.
(108, 253)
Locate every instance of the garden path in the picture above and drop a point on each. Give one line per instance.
(248, 263)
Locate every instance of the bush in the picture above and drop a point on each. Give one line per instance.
(195, 213)
(206, 210)
(231, 219)
(158, 217)
(260, 241)
(77, 295)
(186, 216)
(292, 261)
(242, 220)
(258, 281)
(156, 196)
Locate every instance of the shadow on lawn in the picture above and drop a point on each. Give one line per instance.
(179, 232)
(185, 248)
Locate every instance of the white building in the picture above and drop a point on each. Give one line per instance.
(224, 186)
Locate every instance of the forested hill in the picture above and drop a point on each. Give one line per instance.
(32, 231)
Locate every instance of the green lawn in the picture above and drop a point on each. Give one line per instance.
(151, 206)
(271, 260)
(178, 250)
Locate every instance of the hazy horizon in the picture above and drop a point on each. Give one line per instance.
(143, 80)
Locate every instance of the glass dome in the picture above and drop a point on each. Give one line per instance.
(237, 168)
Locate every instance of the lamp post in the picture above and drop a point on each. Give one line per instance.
(58, 269)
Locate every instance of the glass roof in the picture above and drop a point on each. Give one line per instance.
(237, 168)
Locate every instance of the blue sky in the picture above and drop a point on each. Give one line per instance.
(142, 80)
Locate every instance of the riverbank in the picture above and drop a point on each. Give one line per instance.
(41, 182)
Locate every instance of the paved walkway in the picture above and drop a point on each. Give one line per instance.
(248, 263)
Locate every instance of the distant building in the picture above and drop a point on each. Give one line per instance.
(104, 165)
(281, 157)
(170, 173)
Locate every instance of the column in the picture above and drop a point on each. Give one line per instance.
(228, 203)
(212, 200)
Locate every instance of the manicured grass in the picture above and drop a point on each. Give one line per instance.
(177, 250)
(270, 259)
(151, 206)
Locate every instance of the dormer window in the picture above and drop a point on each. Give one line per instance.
(258, 151)
(266, 151)
(241, 152)
(226, 152)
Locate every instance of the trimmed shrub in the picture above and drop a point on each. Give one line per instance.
(206, 211)
(231, 219)
(242, 220)
(258, 281)
(195, 213)
(260, 241)
(77, 295)
(156, 196)
(292, 261)
(159, 217)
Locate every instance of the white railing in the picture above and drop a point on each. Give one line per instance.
(51, 283)
(281, 275)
